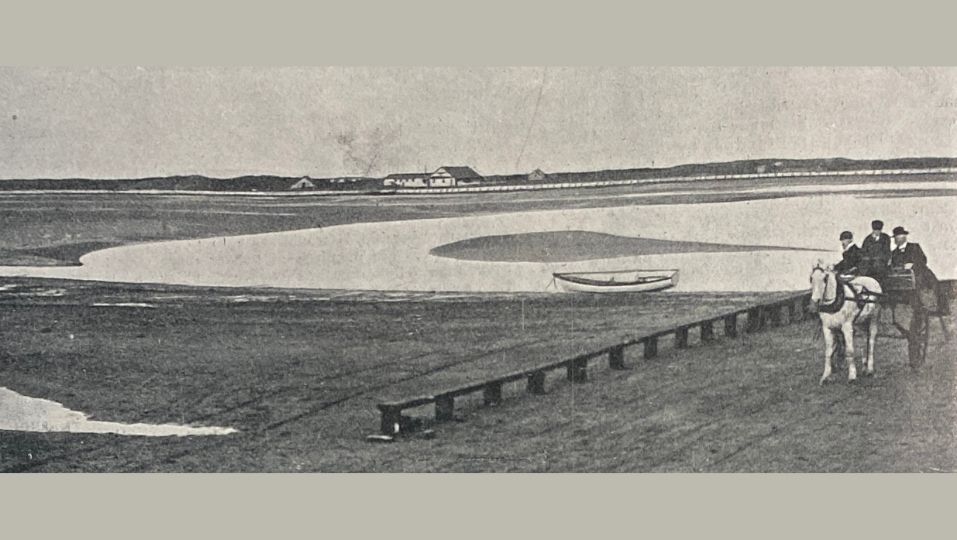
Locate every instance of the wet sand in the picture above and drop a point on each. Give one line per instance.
(395, 256)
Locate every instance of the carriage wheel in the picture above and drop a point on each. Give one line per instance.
(917, 338)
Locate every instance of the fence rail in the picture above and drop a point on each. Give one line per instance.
(663, 180)
(793, 309)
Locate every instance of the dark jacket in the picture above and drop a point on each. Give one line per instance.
(913, 254)
(875, 255)
(851, 260)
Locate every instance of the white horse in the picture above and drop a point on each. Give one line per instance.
(842, 305)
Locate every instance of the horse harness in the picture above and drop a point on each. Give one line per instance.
(862, 298)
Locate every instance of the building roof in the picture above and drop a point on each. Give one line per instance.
(304, 182)
(460, 171)
(399, 176)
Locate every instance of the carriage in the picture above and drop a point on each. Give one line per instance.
(910, 315)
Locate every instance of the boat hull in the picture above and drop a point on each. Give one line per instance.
(625, 281)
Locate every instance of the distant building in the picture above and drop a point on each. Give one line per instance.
(451, 176)
(303, 183)
(442, 177)
(537, 175)
(408, 180)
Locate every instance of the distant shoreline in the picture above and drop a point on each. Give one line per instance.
(494, 188)
(355, 185)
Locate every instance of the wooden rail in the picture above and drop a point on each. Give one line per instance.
(759, 317)
(658, 180)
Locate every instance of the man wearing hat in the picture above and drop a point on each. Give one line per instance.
(851, 258)
(875, 252)
(909, 255)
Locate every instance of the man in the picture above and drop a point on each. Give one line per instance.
(851, 258)
(875, 252)
(910, 256)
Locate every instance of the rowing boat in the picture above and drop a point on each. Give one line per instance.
(617, 281)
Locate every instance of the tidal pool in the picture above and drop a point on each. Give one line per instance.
(395, 256)
(23, 413)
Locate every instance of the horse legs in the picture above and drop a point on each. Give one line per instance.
(848, 330)
(828, 350)
(871, 342)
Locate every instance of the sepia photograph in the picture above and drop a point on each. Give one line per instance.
(537, 269)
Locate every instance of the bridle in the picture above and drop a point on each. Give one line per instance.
(866, 296)
(823, 304)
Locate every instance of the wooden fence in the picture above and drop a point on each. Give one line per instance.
(786, 311)
(662, 180)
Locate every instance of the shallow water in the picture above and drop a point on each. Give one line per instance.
(124, 305)
(394, 256)
(23, 413)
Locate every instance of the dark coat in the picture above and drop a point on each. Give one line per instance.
(851, 260)
(913, 254)
(875, 255)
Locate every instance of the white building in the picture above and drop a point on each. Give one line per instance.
(451, 176)
(407, 180)
(303, 183)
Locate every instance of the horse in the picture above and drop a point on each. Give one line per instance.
(843, 304)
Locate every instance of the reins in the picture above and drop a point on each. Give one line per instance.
(861, 298)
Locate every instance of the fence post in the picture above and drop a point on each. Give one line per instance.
(651, 347)
(754, 319)
(536, 383)
(731, 325)
(577, 370)
(774, 314)
(616, 358)
(795, 313)
(707, 331)
(389, 422)
(444, 408)
(492, 393)
(681, 337)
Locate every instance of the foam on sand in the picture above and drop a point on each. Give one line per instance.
(124, 304)
(23, 413)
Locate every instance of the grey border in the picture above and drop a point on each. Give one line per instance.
(488, 506)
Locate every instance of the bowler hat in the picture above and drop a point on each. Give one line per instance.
(900, 230)
(877, 225)
(846, 235)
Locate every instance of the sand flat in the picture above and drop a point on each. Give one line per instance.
(395, 256)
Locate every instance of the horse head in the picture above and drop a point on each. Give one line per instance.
(823, 284)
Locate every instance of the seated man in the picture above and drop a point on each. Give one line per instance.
(910, 256)
(875, 252)
(851, 258)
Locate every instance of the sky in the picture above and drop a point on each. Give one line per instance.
(125, 122)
